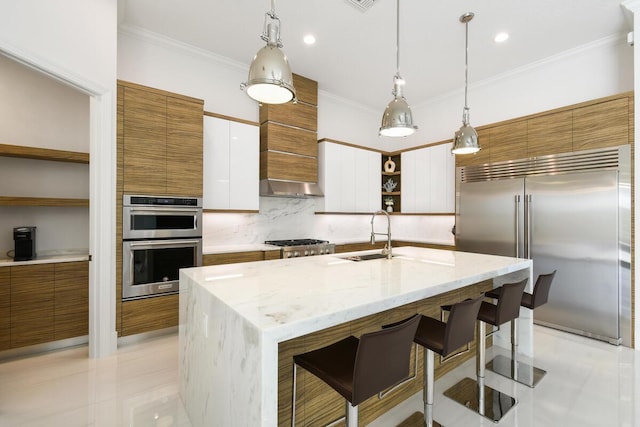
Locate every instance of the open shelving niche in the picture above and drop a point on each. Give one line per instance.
(7, 150)
(395, 176)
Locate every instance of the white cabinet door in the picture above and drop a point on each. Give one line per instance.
(215, 163)
(349, 177)
(428, 180)
(408, 175)
(244, 171)
(231, 165)
(330, 175)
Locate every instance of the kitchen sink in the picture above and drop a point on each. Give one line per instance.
(363, 257)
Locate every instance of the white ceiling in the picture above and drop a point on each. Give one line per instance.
(355, 53)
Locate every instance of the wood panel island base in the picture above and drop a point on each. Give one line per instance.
(240, 324)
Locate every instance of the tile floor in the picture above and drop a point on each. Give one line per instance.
(589, 383)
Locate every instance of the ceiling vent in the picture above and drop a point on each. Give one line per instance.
(363, 5)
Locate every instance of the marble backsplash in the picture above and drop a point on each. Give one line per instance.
(290, 218)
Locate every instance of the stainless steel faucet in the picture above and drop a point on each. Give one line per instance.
(387, 249)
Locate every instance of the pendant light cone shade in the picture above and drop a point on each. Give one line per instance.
(270, 79)
(397, 119)
(465, 140)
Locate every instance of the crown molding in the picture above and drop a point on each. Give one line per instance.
(606, 41)
(632, 5)
(157, 39)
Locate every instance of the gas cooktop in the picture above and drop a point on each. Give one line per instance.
(302, 247)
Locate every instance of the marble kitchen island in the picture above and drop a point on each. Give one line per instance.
(233, 317)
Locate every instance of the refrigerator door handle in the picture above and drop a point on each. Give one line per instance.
(517, 218)
(527, 226)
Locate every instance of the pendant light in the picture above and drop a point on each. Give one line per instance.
(465, 140)
(397, 119)
(270, 79)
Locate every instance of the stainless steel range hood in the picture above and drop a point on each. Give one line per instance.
(277, 188)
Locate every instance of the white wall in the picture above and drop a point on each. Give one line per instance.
(38, 111)
(76, 42)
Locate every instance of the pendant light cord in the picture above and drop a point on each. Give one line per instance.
(466, 62)
(398, 38)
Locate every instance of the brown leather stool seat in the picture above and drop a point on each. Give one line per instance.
(444, 338)
(475, 394)
(512, 368)
(360, 368)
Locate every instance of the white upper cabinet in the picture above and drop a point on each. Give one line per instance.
(231, 165)
(428, 180)
(349, 177)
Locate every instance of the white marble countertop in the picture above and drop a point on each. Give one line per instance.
(293, 297)
(45, 259)
(233, 316)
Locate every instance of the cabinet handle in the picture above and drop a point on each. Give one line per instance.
(517, 218)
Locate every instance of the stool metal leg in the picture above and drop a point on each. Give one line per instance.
(293, 399)
(427, 391)
(513, 369)
(477, 396)
(352, 414)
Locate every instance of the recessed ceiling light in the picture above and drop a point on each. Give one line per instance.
(309, 39)
(501, 37)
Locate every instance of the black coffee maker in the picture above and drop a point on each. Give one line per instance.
(25, 243)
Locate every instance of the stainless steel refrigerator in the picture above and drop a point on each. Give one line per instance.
(569, 213)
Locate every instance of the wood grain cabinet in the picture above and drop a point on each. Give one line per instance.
(162, 141)
(236, 257)
(41, 303)
(32, 306)
(71, 300)
(288, 136)
(600, 123)
(5, 309)
(605, 124)
(550, 134)
(149, 314)
(509, 141)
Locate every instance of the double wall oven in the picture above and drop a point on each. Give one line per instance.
(160, 235)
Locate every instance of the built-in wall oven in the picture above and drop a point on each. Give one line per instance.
(160, 235)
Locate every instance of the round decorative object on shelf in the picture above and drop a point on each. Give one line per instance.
(389, 165)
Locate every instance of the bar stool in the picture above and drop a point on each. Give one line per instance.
(474, 394)
(512, 368)
(443, 338)
(360, 368)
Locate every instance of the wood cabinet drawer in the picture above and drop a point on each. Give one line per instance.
(288, 139)
(149, 314)
(299, 115)
(232, 257)
(289, 167)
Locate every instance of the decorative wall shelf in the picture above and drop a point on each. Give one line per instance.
(43, 201)
(43, 154)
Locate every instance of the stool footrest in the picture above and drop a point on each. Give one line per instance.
(484, 400)
(523, 373)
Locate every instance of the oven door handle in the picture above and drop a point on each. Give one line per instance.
(167, 243)
(156, 211)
